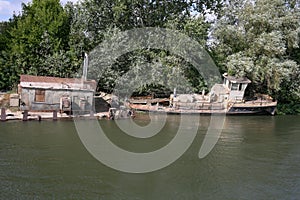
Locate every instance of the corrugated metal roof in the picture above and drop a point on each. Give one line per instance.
(48, 79)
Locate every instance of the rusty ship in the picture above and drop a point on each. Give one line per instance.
(226, 98)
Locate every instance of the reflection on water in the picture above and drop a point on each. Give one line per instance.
(256, 157)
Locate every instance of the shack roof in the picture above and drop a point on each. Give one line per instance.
(234, 79)
(56, 82)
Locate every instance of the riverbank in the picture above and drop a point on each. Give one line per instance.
(7, 114)
(288, 108)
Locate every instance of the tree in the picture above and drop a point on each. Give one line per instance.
(259, 39)
(93, 18)
(41, 32)
(95, 21)
(8, 77)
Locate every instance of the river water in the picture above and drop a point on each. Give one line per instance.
(256, 157)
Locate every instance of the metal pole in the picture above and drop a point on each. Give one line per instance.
(54, 115)
(3, 114)
(25, 115)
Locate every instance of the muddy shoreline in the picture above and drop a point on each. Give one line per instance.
(8, 115)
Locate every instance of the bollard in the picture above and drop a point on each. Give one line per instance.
(54, 115)
(25, 115)
(3, 114)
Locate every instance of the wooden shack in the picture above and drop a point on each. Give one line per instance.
(42, 93)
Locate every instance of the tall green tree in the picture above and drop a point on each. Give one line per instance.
(94, 18)
(42, 31)
(95, 21)
(8, 76)
(260, 39)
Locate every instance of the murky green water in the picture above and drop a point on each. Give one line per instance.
(257, 157)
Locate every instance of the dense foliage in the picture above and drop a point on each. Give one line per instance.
(259, 39)
(37, 42)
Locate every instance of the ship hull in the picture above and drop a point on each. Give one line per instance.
(240, 109)
(266, 110)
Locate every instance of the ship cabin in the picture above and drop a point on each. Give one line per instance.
(236, 86)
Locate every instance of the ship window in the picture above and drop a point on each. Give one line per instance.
(240, 87)
(228, 84)
(234, 86)
(40, 95)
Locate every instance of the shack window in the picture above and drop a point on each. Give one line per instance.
(39, 95)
